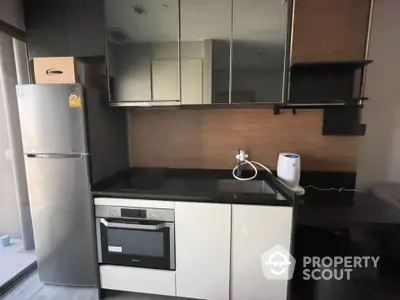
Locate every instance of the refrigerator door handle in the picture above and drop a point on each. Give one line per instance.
(56, 155)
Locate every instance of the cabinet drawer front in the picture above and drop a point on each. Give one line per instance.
(138, 280)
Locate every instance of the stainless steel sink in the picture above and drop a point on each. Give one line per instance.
(248, 187)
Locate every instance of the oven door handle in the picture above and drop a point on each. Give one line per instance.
(132, 226)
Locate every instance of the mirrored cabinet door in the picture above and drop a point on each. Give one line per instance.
(205, 41)
(259, 46)
(143, 51)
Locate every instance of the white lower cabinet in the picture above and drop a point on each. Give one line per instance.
(203, 232)
(256, 229)
(139, 280)
(218, 254)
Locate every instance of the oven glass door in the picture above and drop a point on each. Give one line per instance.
(139, 243)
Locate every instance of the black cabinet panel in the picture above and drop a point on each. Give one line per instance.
(85, 26)
(65, 28)
(45, 27)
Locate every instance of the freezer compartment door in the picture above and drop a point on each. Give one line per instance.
(52, 118)
(62, 216)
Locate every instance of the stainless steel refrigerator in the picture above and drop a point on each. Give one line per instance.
(71, 139)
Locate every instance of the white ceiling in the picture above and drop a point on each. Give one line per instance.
(261, 21)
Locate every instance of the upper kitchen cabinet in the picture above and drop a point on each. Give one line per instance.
(197, 52)
(233, 51)
(260, 34)
(143, 52)
(205, 51)
(328, 51)
(326, 30)
(65, 28)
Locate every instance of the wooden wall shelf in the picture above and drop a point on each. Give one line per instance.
(294, 107)
(327, 65)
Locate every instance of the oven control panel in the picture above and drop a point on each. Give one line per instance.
(113, 212)
(135, 213)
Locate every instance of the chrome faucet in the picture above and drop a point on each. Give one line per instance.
(240, 158)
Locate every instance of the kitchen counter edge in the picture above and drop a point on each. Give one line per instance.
(241, 200)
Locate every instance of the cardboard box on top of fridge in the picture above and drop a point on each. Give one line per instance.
(66, 70)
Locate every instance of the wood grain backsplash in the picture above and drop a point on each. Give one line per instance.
(209, 138)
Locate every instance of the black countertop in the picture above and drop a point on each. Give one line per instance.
(334, 209)
(188, 185)
(315, 208)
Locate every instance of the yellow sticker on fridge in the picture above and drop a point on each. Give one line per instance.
(74, 100)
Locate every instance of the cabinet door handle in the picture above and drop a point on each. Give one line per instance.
(56, 155)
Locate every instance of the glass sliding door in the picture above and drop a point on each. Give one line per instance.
(16, 244)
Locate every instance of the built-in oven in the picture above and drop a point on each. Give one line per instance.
(139, 237)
